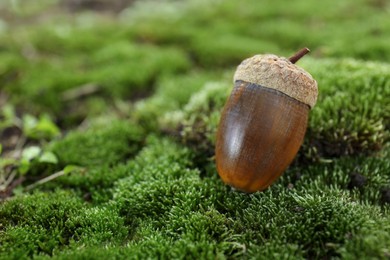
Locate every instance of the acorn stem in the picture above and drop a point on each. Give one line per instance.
(297, 56)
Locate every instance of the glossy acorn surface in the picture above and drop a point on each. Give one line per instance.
(262, 127)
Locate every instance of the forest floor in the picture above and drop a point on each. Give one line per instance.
(108, 117)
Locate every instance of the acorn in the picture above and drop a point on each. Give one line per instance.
(264, 120)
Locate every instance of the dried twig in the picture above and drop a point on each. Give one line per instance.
(7, 181)
(44, 180)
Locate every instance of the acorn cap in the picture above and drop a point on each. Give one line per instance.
(281, 74)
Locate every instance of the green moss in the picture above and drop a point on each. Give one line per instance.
(126, 60)
(44, 224)
(351, 115)
(314, 221)
(93, 184)
(119, 68)
(160, 69)
(274, 25)
(372, 242)
(223, 50)
(309, 222)
(167, 207)
(105, 144)
(196, 123)
(158, 163)
(373, 175)
(36, 223)
(135, 66)
(172, 93)
(355, 88)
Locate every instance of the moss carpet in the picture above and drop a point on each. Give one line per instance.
(108, 121)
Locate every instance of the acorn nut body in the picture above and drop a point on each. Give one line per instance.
(264, 121)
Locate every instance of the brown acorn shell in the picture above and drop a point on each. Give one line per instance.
(260, 133)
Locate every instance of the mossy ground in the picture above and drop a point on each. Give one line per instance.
(122, 107)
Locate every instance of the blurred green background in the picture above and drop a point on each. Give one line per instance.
(108, 113)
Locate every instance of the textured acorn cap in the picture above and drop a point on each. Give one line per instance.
(279, 73)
